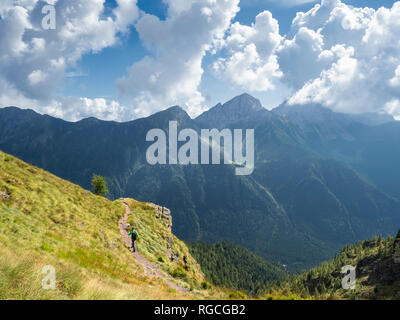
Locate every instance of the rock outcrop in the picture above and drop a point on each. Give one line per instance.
(163, 214)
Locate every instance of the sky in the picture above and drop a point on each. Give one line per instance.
(124, 59)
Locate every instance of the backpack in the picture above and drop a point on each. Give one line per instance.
(134, 235)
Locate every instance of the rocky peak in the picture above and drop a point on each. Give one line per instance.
(240, 108)
(244, 102)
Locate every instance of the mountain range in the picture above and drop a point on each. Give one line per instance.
(321, 179)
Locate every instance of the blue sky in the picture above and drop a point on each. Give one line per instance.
(140, 60)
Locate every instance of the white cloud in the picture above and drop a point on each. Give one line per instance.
(333, 87)
(302, 58)
(251, 62)
(247, 69)
(316, 17)
(33, 61)
(67, 108)
(357, 69)
(76, 108)
(395, 81)
(393, 107)
(171, 75)
(36, 77)
(345, 58)
(126, 13)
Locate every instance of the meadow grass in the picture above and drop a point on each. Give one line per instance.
(159, 245)
(45, 220)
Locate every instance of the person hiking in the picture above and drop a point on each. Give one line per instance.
(134, 236)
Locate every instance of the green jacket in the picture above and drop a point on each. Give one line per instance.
(134, 232)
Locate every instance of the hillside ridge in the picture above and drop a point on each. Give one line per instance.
(45, 220)
(150, 269)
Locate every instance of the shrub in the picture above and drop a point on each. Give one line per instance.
(99, 185)
(205, 285)
(237, 295)
(178, 273)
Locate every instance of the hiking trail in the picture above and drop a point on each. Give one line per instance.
(150, 269)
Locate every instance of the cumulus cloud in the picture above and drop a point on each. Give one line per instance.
(343, 57)
(395, 81)
(305, 49)
(361, 50)
(319, 38)
(251, 62)
(393, 107)
(316, 17)
(333, 86)
(33, 61)
(76, 108)
(172, 73)
(67, 108)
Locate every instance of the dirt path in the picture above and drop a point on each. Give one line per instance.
(150, 269)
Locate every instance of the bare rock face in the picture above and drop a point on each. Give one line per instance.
(174, 256)
(163, 214)
(170, 242)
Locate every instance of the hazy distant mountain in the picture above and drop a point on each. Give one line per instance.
(369, 143)
(315, 113)
(317, 183)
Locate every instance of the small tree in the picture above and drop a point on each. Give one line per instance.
(99, 185)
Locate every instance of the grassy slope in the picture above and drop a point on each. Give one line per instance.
(45, 220)
(159, 245)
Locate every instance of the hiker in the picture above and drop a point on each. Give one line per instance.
(134, 236)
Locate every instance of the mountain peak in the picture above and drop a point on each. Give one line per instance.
(10, 114)
(244, 102)
(176, 109)
(90, 119)
(14, 109)
(241, 108)
(175, 113)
